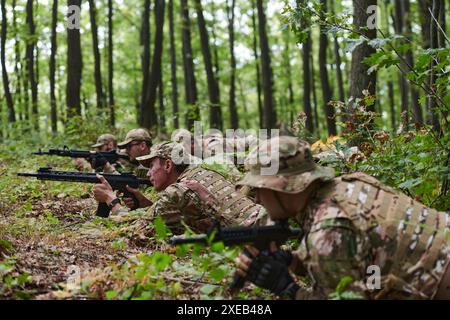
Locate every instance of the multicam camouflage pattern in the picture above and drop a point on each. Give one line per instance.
(167, 150)
(201, 196)
(104, 139)
(135, 135)
(355, 222)
(297, 169)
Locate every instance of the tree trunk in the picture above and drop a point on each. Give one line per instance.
(112, 119)
(417, 108)
(162, 109)
(326, 90)
(213, 87)
(258, 72)
(269, 108)
(97, 62)
(359, 79)
(31, 63)
(306, 53)
(52, 67)
(314, 92)
(215, 50)
(433, 118)
(74, 68)
(17, 70)
(149, 118)
(190, 87)
(339, 78)
(145, 42)
(399, 24)
(8, 96)
(234, 122)
(173, 68)
(425, 21)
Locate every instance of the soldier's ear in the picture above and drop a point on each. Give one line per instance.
(169, 165)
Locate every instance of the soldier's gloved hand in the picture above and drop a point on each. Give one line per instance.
(274, 275)
(142, 200)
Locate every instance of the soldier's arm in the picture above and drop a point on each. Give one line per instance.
(334, 253)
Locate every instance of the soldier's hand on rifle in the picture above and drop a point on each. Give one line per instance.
(103, 191)
(142, 200)
(268, 270)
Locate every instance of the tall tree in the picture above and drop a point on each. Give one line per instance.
(190, 86)
(74, 68)
(270, 115)
(162, 109)
(52, 67)
(215, 116)
(258, 72)
(417, 108)
(112, 121)
(145, 58)
(5, 78)
(18, 68)
(30, 52)
(97, 62)
(359, 78)
(337, 55)
(173, 67)
(149, 118)
(399, 28)
(326, 89)
(314, 92)
(306, 53)
(433, 117)
(234, 122)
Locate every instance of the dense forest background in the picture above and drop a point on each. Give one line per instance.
(162, 64)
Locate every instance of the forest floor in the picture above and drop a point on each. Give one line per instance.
(53, 247)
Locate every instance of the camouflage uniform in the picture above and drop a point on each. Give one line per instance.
(103, 139)
(199, 197)
(353, 222)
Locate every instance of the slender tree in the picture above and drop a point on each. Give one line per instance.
(145, 58)
(326, 89)
(30, 52)
(433, 117)
(52, 67)
(5, 78)
(18, 68)
(337, 55)
(190, 86)
(97, 62)
(149, 118)
(359, 78)
(173, 67)
(257, 67)
(215, 116)
(234, 121)
(74, 68)
(112, 121)
(267, 77)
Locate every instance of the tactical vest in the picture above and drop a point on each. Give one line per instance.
(415, 228)
(234, 206)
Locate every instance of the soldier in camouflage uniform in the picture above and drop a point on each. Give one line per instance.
(105, 142)
(353, 225)
(188, 194)
(137, 143)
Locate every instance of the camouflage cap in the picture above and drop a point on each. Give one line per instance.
(135, 135)
(165, 150)
(296, 167)
(104, 139)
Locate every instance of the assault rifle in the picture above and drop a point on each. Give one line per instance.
(96, 158)
(259, 237)
(117, 182)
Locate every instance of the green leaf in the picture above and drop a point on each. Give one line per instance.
(160, 228)
(208, 289)
(217, 274)
(111, 294)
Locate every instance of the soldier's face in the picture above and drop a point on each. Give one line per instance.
(279, 206)
(159, 174)
(107, 147)
(136, 149)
